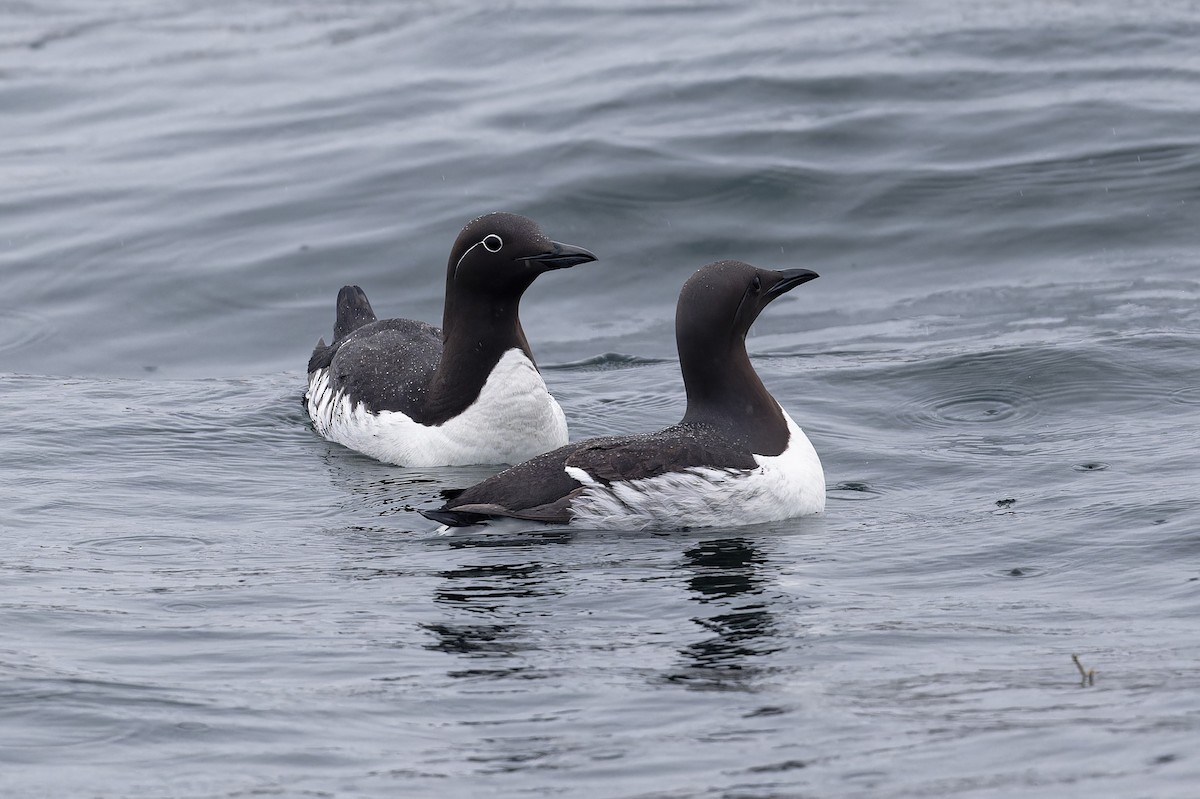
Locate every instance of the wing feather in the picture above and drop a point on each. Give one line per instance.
(541, 489)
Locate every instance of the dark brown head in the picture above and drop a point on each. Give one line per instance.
(502, 254)
(717, 306)
(722, 300)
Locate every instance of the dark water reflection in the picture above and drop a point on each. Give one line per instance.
(493, 606)
(729, 575)
(504, 591)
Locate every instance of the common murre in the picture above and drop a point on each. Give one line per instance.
(408, 393)
(735, 458)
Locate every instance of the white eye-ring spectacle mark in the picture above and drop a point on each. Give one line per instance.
(491, 242)
(462, 257)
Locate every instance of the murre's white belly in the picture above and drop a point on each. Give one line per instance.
(783, 486)
(513, 419)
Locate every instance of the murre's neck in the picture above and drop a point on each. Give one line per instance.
(476, 331)
(475, 323)
(724, 391)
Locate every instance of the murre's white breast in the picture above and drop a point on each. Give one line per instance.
(513, 419)
(783, 486)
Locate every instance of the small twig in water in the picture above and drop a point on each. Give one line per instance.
(1086, 676)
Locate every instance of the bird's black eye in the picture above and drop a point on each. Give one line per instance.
(492, 242)
(756, 284)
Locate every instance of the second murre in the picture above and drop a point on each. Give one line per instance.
(408, 393)
(736, 457)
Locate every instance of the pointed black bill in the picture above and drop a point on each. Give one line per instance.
(789, 279)
(560, 256)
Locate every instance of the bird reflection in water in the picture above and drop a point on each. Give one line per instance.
(728, 575)
(491, 592)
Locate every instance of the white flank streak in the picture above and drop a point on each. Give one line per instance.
(783, 486)
(513, 419)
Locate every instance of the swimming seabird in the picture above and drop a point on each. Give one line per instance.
(736, 458)
(408, 393)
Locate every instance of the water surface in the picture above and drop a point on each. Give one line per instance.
(997, 366)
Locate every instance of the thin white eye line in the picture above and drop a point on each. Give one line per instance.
(464, 255)
(492, 243)
(484, 242)
(490, 235)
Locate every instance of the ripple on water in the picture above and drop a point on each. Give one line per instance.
(853, 491)
(38, 718)
(1186, 396)
(972, 405)
(632, 402)
(604, 362)
(145, 546)
(1008, 388)
(19, 329)
(1020, 572)
(185, 607)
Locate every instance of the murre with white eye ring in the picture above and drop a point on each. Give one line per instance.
(408, 393)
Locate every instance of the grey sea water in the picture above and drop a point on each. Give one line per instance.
(201, 598)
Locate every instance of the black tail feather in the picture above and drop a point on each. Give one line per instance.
(454, 518)
(353, 311)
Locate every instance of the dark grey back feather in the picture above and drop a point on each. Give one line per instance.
(386, 365)
(541, 490)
